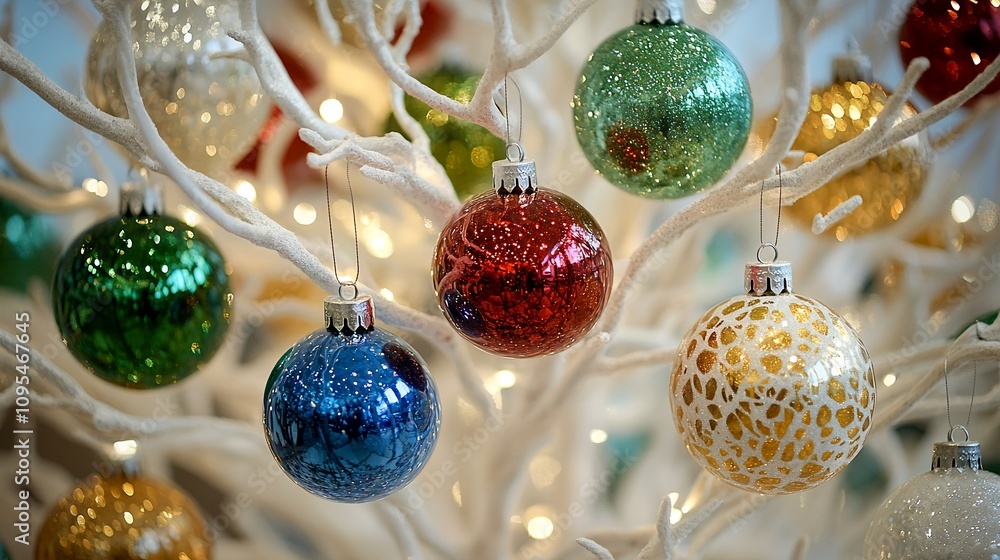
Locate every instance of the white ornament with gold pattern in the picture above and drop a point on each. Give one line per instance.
(771, 391)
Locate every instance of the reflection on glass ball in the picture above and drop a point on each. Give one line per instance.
(465, 150)
(124, 518)
(772, 394)
(662, 110)
(351, 417)
(944, 513)
(889, 183)
(143, 302)
(209, 111)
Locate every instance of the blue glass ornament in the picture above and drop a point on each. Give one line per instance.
(350, 412)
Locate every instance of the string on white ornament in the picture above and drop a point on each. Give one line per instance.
(777, 225)
(947, 393)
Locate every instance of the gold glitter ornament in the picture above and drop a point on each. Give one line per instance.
(888, 183)
(771, 391)
(122, 517)
(208, 110)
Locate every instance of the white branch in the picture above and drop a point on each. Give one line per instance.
(597, 550)
(821, 223)
(113, 423)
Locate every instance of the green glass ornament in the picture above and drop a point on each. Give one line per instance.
(465, 150)
(142, 299)
(27, 246)
(662, 109)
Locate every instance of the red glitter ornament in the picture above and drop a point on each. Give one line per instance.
(958, 37)
(523, 271)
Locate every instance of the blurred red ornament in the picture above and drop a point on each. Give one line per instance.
(435, 24)
(522, 275)
(293, 162)
(959, 38)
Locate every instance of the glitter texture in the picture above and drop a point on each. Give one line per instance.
(959, 37)
(465, 150)
(522, 275)
(772, 394)
(351, 417)
(888, 183)
(142, 301)
(124, 518)
(942, 514)
(662, 110)
(209, 111)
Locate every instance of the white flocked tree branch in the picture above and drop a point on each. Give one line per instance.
(407, 168)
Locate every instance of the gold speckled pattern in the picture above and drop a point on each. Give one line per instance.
(888, 183)
(772, 394)
(119, 518)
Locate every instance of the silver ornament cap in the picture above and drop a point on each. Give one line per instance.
(348, 316)
(141, 199)
(953, 454)
(664, 12)
(514, 175)
(768, 279)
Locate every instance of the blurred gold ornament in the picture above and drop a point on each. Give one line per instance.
(122, 517)
(888, 183)
(208, 110)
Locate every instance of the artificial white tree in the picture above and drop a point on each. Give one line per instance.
(522, 469)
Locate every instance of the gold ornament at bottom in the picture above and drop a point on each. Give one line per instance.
(123, 517)
(888, 183)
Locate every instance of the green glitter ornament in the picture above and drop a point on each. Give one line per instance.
(27, 246)
(662, 109)
(465, 150)
(142, 299)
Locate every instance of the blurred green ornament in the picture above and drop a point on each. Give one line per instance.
(465, 150)
(28, 246)
(3, 554)
(662, 109)
(141, 299)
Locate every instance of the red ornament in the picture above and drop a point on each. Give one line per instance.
(958, 37)
(522, 275)
(436, 22)
(293, 163)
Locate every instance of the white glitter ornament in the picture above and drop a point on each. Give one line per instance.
(949, 513)
(771, 391)
(208, 110)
